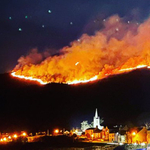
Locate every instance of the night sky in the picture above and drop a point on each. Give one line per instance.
(53, 24)
(28, 24)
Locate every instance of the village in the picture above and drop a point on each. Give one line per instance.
(89, 133)
(120, 135)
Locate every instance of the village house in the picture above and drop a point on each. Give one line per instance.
(97, 134)
(138, 136)
(120, 134)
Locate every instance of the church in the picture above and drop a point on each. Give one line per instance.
(96, 123)
(95, 131)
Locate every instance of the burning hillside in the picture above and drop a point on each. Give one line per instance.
(118, 48)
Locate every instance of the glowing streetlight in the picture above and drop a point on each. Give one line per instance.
(5, 139)
(15, 136)
(24, 134)
(76, 131)
(133, 133)
(56, 131)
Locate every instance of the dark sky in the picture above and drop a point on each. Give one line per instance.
(53, 24)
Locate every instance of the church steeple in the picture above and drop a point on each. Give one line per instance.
(96, 121)
(96, 114)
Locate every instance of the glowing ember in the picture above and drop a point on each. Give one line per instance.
(76, 63)
(91, 58)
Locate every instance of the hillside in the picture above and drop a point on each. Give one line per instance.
(119, 99)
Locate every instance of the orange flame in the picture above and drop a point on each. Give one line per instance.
(91, 58)
(28, 78)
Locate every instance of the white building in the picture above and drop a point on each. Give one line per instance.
(96, 121)
(94, 124)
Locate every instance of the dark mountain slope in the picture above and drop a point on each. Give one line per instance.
(26, 105)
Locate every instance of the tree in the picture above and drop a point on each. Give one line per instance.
(101, 120)
(85, 125)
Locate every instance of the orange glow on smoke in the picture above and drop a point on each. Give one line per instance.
(91, 58)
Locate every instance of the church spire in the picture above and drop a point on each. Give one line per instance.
(96, 114)
(96, 121)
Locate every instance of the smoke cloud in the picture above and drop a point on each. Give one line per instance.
(119, 45)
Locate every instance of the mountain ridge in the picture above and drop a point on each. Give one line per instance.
(119, 99)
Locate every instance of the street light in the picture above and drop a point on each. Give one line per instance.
(133, 135)
(92, 136)
(5, 139)
(56, 131)
(24, 134)
(15, 136)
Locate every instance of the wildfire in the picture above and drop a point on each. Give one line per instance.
(83, 81)
(91, 58)
(28, 78)
(96, 77)
(134, 68)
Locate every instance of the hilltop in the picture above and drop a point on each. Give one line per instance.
(28, 105)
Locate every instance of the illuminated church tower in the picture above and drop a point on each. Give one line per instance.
(96, 121)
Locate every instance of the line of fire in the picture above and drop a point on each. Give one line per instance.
(81, 81)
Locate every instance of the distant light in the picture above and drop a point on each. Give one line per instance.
(71, 23)
(10, 18)
(20, 29)
(128, 21)
(49, 11)
(26, 17)
(43, 26)
(9, 137)
(15, 136)
(5, 139)
(24, 134)
(56, 131)
(133, 133)
(143, 144)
